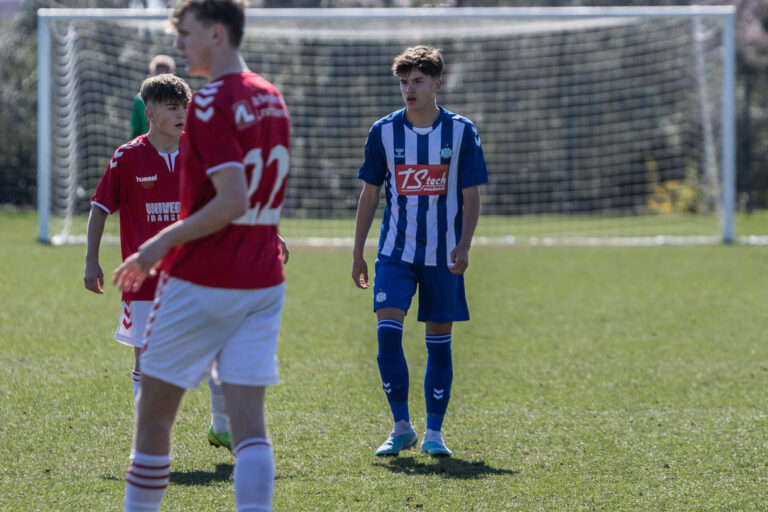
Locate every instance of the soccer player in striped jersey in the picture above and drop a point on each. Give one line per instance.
(430, 162)
(142, 183)
(222, 288)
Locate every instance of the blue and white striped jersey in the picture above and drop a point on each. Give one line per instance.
(424, 171)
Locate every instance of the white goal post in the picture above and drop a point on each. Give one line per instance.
(601, 125)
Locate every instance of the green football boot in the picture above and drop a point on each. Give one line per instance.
(219, 439)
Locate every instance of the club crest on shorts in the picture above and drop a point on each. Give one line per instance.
(381, 297)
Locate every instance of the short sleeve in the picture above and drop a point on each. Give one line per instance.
(374, 168)
(107, 195)
(472, 162)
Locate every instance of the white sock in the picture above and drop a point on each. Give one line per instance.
(433, 435)
(146, 482)
(136, 384)
(402, 427)
(219, 418)
(254, 475)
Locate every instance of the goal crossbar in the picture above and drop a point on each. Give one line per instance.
(419, 12)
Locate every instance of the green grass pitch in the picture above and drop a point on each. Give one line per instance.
(616, 379)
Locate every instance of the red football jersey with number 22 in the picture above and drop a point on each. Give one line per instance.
(238, 120)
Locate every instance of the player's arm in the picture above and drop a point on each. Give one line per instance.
(229, 203)
(366, 209)
(93, 277)
(471, 214)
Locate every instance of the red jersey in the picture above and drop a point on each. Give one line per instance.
(140, 183)
(239, 120)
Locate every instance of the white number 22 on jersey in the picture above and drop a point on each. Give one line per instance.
(264, 214)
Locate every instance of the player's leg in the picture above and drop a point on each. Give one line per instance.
(442, 301)
(246, 364)
(438, 378)
(393, 289)
(219, 433)
(136, 373)
(187, 327)
(149, 473)
(254, 473)
(130, 331)
(393, 368)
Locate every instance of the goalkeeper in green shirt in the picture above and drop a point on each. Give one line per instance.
(159, 65)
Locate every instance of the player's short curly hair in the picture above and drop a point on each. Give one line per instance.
(165, 88)
(230, 13)
(426, 59)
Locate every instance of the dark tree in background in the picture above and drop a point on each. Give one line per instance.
(18, 100)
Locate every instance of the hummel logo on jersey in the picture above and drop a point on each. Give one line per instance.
(203, 102)
(399, 152)
(204, 98)
(477, 136)
(381, 297)
(146, 182)
(421, 180)
(204, 115)
(438, 393)
(211, 88)
(117, 155)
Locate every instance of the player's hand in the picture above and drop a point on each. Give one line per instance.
(284, 249)
(130, 275)
(360, 273)
(138, 266)
(459, 260)
(93, 277)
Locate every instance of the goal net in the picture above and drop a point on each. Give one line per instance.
(599, 125)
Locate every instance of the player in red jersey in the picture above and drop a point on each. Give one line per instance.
(142, 183)
(221, 290)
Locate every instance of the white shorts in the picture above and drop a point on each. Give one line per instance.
(194, 331)
(133, 320)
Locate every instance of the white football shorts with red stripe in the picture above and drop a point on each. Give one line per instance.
(133, 319)
(231, 334)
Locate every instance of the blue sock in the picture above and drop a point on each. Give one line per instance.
(437, 379)
(393, 367)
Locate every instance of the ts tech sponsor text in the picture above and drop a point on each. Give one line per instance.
(421, 179)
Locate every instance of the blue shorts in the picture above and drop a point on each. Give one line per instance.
(441, 294)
